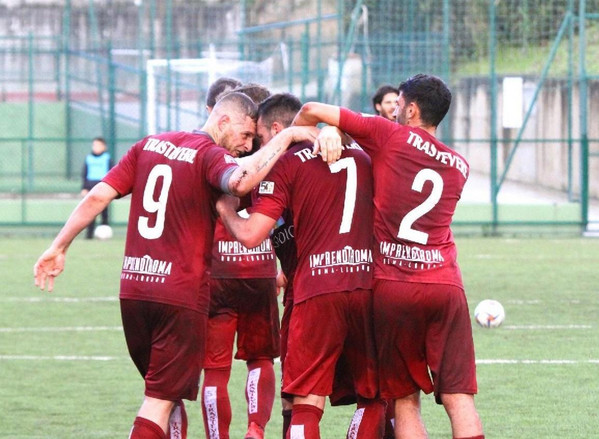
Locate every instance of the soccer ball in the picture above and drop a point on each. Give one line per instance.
(489, 313)
(103, 232)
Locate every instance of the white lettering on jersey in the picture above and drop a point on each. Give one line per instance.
(145, 269)
(234, 251)
(170, 151)
(411, 256)
(431, 150)
(345, 260)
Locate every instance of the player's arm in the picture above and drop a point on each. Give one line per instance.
(250, 231)
(329, 142)
(252, 169)
(51, 263)
(281, 281)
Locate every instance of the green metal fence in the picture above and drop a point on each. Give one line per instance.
(524, 75)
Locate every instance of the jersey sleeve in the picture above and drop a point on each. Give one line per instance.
(367, 130)
(274, 191)
(122, 176)
(218, 167)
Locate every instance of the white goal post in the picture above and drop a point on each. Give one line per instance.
(189, 79)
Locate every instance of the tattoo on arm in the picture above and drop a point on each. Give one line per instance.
(267, 160)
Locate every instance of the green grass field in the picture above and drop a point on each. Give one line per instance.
(65, 372)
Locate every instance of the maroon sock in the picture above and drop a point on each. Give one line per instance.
(145, 429)
(177, 422)
(304, 422)
(368, 421)
(260, 391)
(389, 420)
(286, 421)
(216, 406)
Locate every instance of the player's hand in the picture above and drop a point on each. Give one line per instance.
(227, 203)
(302, 133)
(48, 266)
(281, 282)
(329, 143)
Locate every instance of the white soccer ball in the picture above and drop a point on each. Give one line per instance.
(103, 232)
(489, 313)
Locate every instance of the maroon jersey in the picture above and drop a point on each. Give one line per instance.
(332, 217)
(232, 260)
(172, 179)
(417, 183)
(283, 242)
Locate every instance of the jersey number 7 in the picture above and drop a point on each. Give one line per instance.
(351, 185)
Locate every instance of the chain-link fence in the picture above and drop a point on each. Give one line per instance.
(523, 75)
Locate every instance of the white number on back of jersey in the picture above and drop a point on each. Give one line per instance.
(156, 206)
(351, 186)
(405, 228)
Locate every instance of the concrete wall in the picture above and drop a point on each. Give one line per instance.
(541, 157)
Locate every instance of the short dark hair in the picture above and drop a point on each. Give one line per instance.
(238, 102)
(380, 93)
(218, 88)
(256, 92)
(99, 139)
(281, 107)
(430, 93)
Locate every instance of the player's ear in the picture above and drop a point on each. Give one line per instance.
(413, 111)
(276, 128)
(223, 122)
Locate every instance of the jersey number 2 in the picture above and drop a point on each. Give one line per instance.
(406, 231)
(155, 206)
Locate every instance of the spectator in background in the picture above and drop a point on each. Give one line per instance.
(384, 101)
(97, 164)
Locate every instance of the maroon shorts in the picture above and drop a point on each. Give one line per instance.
(424, 339)
(166, 343)
(247, 308)
(343, 385)
(323, 328)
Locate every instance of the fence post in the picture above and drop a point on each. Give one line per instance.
(31, 112)
(584, 135)
(305, 61)
(111, 103)
(493, 115)
(67, 85)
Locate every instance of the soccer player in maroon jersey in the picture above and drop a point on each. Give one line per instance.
(332, 301)
(174, 179)
(243, 308)
(422, 322)
(274, 114)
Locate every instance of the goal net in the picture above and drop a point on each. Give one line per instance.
(176, 88)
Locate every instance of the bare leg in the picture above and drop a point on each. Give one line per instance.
(408, 421)
(157, 411)
(462, 413)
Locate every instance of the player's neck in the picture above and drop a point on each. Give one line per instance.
(432, 130)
